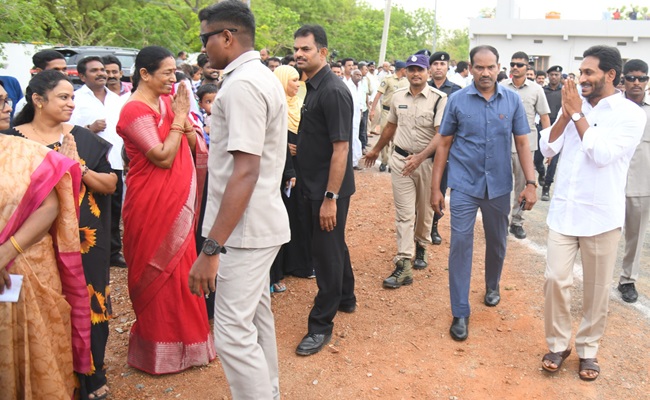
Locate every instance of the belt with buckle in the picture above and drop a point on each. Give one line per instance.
(405, 153)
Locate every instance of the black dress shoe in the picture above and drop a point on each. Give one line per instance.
(312, 343)
(628, 292)
(118, 261)
(518, 231)
(348, 309)
(492, 297)
(458, 328)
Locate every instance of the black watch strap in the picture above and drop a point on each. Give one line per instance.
(211, 247)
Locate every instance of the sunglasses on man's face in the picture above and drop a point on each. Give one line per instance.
(632, 78)
(518, 65)
(205, 36)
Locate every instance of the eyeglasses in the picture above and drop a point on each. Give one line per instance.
(518, 65)
(6, 102)
(632, 78)
(205, 36)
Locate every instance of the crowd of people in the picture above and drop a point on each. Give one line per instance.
(212, 184)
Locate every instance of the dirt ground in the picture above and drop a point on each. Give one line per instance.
(397, 344)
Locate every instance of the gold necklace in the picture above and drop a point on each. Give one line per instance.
(56, 145)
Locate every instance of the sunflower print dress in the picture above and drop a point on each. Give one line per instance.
(94, 234)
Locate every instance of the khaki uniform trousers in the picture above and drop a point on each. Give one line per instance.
(598, 259)
(518, 187)
(244, 330)
(384, 155)
(637, 214)
(413, 211)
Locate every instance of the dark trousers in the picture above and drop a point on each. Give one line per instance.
(334, 275)
(116, 215)
(443, 189)
(550, 172)
(463, 210)
(363, 129)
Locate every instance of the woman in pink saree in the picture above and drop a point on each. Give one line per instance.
(46, 334)
(171, 332)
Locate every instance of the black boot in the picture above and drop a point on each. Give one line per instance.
(435, 236)
(545, 194)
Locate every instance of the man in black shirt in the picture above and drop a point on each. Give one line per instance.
(325, 170)
(553, 92)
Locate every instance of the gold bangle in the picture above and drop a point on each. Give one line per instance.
(178, 125)
(16, 245)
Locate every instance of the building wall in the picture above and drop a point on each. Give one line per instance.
(562, 41)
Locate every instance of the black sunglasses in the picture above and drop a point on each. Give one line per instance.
(632, 78)
(205, 36)
(518, 65)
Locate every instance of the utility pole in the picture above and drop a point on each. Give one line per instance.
(435, 26)
(384, 35)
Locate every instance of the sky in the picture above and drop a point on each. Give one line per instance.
(456, 14)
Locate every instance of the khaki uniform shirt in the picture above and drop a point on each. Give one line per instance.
(416, 117)
(638, 176)
(388, 87)
(534, 99)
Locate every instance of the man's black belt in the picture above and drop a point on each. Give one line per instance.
(405, 153)
(387, 108)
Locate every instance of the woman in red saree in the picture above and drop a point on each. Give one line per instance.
(171, 332)
(46, 334)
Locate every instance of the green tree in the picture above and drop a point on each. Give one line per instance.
(456, 43)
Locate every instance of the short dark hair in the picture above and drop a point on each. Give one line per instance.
(345, 61)
(111, 59)
(149, 58)
(206, 89)
(43, 57)
(483, 47)
(502, 75)
(233, 12)
(180, 53)
(335, 65)
(462, 66)
(41, 84)
(201, 60)
(287, 59)
(520, 54)
(540, 73)
(320, 37)
(274, 59)
(81, 65)
(608, 58)
(635, 65)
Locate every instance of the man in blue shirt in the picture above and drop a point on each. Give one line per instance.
(476, 130)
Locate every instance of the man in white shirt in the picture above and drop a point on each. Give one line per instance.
(597, 135)
(98, 109)
(368, 86)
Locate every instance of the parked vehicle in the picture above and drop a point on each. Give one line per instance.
(73, 54)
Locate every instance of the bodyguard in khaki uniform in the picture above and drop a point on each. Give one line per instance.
(386, 90)
(412, 123)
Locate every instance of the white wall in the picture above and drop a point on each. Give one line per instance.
(16, 60)
(563, 40)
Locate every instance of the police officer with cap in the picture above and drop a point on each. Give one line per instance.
(413, 120)
(385, 91)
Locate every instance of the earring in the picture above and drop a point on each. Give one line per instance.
(40, 106)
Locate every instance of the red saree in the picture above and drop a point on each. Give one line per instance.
(47, 333)
(171, 332)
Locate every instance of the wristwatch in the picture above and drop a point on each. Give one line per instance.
(576, 116)
(534, 183)
(211, 247)
(331, 195)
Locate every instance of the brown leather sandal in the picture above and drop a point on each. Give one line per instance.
(589, 364)
(556, 358)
